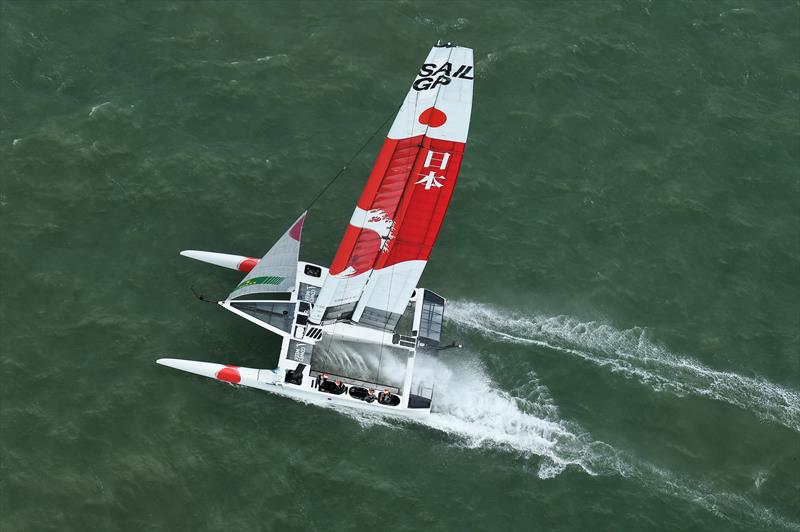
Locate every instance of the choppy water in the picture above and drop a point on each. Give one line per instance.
(622, 258)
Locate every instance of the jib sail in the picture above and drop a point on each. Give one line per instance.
(276, 272)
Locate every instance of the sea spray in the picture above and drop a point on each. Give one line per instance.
(471, 408)
(466, 403)
(631, 354)
(525, 421)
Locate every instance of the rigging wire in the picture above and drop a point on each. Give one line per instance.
(201, 298)
(353, 158)
(347, 164)
(335, 177)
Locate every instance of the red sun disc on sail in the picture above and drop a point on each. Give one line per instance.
(433, 117)
(229, 374)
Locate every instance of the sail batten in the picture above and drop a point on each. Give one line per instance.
(397, 218)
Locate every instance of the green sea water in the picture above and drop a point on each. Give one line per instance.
(621, 258)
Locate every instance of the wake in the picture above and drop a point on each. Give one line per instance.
(467, 404)
(525, 421)
(632, 355)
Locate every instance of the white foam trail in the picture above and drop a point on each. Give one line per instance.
(726, 505)
(525, 421)
(631, 354)
(467, 404)
(98, 107)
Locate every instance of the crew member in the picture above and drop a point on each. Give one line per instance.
(370, 396)
(385, 397)
(339, 387)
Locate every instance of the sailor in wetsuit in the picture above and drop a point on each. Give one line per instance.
(385, 397)
(325, 385)
(339, 387)
(370, 396)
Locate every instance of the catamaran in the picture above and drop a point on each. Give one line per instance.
(351, 333)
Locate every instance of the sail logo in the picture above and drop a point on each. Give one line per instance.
(376, 220)
(269, 279)
(299, 354)
(430, 180)
(430, 77)
(434, 160)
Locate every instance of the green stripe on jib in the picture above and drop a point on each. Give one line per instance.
(270, 279)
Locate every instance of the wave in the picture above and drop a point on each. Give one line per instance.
(631, 354)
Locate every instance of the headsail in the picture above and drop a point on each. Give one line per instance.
(401, 209)
(276, 272)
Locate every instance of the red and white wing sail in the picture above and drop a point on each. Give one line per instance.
(401, 209)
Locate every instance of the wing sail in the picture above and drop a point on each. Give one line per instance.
(398, 216)
(276, 272)
(418, 220)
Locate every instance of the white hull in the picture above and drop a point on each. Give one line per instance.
(270, 380)
(232, 262)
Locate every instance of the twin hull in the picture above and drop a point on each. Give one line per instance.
(303, 341)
